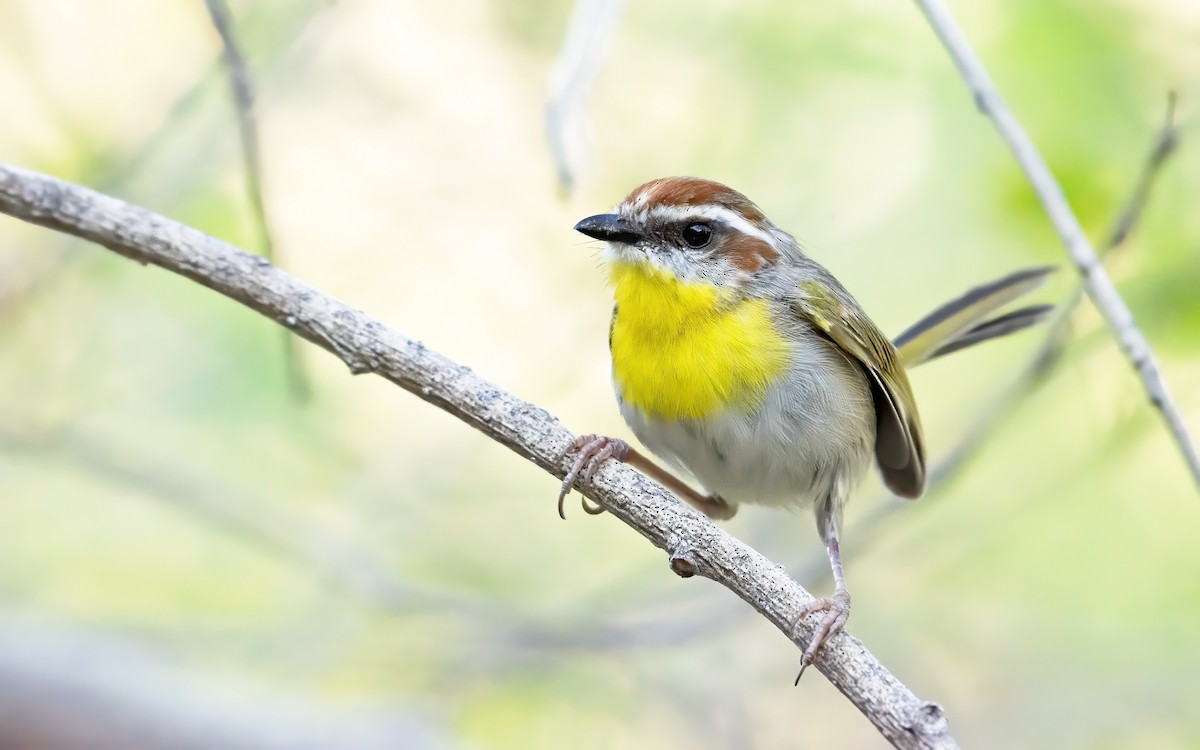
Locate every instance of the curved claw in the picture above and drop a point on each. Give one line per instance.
(837, 611)
(562, 495)
(593, 450)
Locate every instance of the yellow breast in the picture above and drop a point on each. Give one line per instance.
(684, 350)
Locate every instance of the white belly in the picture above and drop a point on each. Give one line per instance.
(810, 441)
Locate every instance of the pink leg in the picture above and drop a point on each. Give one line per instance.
(593, 450)
(836, 608)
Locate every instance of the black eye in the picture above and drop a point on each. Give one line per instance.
(697, 235)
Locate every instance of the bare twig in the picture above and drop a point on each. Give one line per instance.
(351, 570)
(1099, 286)
(243, 103)
(1165, 144)
(695, 545)
(593, 23)
(347, 568)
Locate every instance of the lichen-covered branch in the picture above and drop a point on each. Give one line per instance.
(693, 543)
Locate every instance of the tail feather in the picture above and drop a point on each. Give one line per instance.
(1017, 320)
(957, 324)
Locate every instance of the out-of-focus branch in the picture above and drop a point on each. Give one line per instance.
(1165, 144)
(79, 691)
(694, 544)
(243, 103)
(346, 568)
(593, 23)
(1096, 282)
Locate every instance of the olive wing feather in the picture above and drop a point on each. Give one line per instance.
(899, 444)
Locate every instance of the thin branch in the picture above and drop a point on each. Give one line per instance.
(351, 570)
(1164, 146)
(1099, 286)
(243, 103)
(347, 568)
(1166, 142)
(694, 544)
(243, 100)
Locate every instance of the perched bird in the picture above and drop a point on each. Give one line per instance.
(743, 362)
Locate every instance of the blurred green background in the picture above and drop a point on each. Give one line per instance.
(163, 491)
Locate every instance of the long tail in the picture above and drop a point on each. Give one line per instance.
(963, 321)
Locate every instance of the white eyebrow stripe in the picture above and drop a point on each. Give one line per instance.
(713, 213)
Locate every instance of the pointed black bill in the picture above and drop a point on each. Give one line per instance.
(608, 227)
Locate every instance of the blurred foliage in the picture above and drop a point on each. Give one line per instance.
(161, 485)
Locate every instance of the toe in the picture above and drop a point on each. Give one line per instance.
(590, 452)
(816, 605)
(837, 611)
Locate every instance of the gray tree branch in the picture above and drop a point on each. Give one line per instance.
(695, 546)
(1099, 286)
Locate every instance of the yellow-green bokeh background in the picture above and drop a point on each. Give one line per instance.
(159, 485)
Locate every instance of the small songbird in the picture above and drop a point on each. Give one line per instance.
(743, 362)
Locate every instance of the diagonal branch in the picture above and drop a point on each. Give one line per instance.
(1099, 286)
(695, 545)
(242, 90)
(343, 566)
(1165, 144)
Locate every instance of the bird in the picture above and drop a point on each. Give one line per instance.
(743, 363)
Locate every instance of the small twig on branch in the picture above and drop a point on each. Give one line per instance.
(243, 103)
(366, 345)
(1099, 286)
(1165, 144)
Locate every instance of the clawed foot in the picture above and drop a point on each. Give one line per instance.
(714, 506)
(837, 610)
(592, 451)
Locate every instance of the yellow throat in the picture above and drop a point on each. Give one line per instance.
(689, 350)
